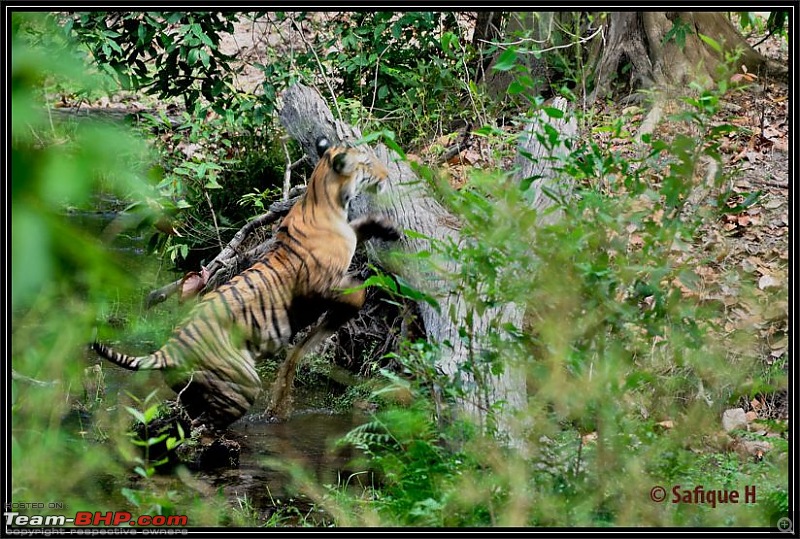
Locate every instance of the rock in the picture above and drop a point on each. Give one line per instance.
(751, 448)
(734, 418)
(751, 416)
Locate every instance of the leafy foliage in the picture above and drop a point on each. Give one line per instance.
(219, 150)
(406, 69)
(183, 45)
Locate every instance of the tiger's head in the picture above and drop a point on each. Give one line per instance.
(345, 171)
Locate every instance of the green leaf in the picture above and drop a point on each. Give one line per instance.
(32, 258)
(488, 130)
(525, 183)
(516, 88)
(410, 292)
(390, 143)
(141, 471)
(384, 282)
(204, 58)
(711, 43)
(150, 414)
(173, 442)
(553, 112)
(413, 234)
(156, 439)
(448, 38)
(139, 416)
(507, 60)
(133, 496)
(751, 199)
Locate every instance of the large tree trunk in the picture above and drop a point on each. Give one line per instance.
(306, 116)
(638, 39)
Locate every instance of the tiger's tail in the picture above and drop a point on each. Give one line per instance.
(155, 361)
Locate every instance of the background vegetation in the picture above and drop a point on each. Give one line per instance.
(628, 363)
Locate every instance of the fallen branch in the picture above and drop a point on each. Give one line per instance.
(232, 258)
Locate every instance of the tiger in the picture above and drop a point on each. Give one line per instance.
(210, 360)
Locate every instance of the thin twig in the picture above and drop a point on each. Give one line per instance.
(321, 69)
(771, 184)
(539, 51)
(214, 218)
(231, 251)
(375, 83)
(456, 148)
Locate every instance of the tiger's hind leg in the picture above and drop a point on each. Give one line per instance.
(341, 309)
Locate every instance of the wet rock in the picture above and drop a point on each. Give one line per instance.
(210, 453)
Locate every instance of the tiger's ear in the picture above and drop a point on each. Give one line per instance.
(322, 145)
(339, 162)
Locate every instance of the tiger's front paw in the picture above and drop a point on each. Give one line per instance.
(370, 226)
(386, 231)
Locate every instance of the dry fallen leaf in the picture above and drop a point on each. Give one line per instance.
(773, 203)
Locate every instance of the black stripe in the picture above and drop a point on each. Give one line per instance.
(300, 258)
(224, 302)
(270, 286)
(255, 323)
(237, 295)
(299, 232)
(295, 240)
(331, 203)
(308, 253)
(123, 360)
(285, 259)
(184, 342)
(189, 330)
(212, 340)
(244, 307)
(276, 327)
(273, 306)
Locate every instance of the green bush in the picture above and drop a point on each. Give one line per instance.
(617, 339)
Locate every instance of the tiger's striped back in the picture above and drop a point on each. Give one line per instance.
(210, 360)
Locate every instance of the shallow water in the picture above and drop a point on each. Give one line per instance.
(271, 453)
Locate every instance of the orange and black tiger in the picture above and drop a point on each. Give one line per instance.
(210, 360)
